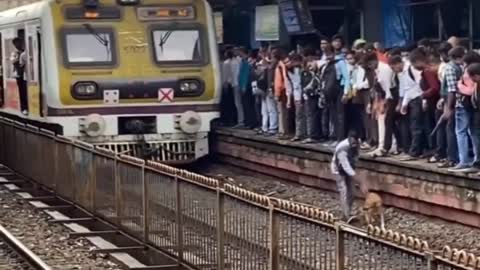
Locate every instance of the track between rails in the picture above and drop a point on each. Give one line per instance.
(207, 224)
(15, 255)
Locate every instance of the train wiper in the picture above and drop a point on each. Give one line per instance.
(94, 33)
(164, 39)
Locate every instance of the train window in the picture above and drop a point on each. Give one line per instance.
(177, 45)
(31, 66)
(89, 47)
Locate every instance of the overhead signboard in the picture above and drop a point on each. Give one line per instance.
(296, 16)
(267, 23)
(218, 17)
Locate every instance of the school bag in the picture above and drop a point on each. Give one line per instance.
(329, 85)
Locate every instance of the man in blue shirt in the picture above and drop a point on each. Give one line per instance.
(335, 102)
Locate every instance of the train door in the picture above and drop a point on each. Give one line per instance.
(11, 98)
(2, 92)
(32, 70)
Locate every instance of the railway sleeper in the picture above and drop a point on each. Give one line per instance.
(122, 248)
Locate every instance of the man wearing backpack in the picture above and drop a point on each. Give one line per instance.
(262, 86)
(334, 82)
(412, 103)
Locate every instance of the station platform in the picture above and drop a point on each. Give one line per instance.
(415, 186)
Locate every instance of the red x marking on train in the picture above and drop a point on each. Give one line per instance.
(165, 95)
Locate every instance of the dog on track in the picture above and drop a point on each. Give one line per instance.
(373, 209)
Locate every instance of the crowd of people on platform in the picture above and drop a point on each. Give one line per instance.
(419, 102)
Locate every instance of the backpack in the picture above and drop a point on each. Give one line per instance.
(260, 81)
(310, 83)
(329, 84)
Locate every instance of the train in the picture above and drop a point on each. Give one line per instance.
(138, 77)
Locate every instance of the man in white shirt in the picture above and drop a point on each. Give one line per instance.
(294, 93)
(400, 126)
(19, 61)
(226, 113)
(382, 85)
(410, 81)
(235, 64)
(355, 116)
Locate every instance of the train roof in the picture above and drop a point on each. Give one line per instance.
(24, 13)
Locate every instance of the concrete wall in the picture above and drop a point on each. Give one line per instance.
(415, 187)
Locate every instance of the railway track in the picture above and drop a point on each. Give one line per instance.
(199, 222)
(16, 256)
(435, 231)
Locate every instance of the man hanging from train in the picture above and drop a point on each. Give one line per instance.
(19, 60)
(343, 167)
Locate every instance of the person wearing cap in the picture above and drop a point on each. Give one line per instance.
(454, 41)
(359, 45)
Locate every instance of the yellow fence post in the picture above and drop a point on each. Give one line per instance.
(178, 218)
(93, 181)
(274, 225)
(220, 228)
(118, 206)
(145, 205)
(431, 262)
(340, 247)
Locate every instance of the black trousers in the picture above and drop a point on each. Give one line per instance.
(392, 125)
(354, 114)
(227, 115)
(22, 90)
(312, 113)
(429, 124)
(248, 100)
(336, 116)
(416, 118)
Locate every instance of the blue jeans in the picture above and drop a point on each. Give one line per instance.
(465, 133)
(269, 114)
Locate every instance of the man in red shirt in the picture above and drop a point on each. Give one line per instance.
(380, 51)
(431, 94)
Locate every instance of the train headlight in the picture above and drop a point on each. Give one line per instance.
(190, 122)
(93, 125)
(190, 86)
(85, 89)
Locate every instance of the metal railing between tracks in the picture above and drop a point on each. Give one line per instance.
(205, 223)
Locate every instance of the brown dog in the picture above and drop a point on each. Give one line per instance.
(373, 208)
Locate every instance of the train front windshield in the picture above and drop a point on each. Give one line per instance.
(90, 46)
(177, 45)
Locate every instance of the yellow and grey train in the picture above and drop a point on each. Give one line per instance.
(135, 76)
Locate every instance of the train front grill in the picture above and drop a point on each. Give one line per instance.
(167, 152)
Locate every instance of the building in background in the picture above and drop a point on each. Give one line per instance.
(394, 22)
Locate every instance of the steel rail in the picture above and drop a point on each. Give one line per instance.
(24, 252)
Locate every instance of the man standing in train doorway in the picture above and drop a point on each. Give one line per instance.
(19, 60)
(343, 167)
